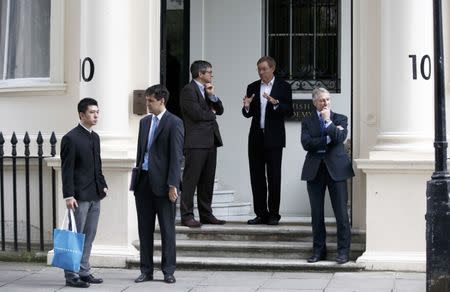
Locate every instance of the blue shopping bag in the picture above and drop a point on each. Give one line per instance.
(67, 245)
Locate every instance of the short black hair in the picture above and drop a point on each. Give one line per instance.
(159, 91)
(85, 103)
(199, 66)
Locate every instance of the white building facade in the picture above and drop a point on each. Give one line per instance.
(381, 66)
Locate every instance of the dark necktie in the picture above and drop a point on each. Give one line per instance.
(322, 125)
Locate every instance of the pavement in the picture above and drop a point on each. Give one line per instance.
(39, 277)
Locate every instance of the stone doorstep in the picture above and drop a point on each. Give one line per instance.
(252, 249)
(244, 232)
(260, 264)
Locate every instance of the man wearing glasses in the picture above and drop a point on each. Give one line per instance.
(199, 107)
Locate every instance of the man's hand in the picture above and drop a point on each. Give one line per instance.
(105, 190)
(71, 203)
(173, 195)
(325, 113)
(270, 99)
(209, 89)
(247, 100)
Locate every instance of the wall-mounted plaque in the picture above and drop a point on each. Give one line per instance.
(302, 109)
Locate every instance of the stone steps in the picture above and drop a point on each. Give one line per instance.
(254, 264)
(246, 233)
(238, 246)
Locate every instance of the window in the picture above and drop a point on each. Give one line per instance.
(303, 37)
(25, 39)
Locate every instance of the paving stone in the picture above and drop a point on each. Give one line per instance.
(292, 284)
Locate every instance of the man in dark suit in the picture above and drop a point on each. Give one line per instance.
(83, 184)
(159, 155)
(199, 107)
(327, 165)
(268, 101)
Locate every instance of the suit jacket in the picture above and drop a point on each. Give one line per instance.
(336, 158)
(81, 165)
(166, 152)
(201, 128)
(274, 131)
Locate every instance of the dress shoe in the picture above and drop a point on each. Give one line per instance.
(77, 283)
(273, 221)
(342, 258)
(213, 220)
(192, 223)
(91, 279)
(316, 257)
(144, 278)
(170, 279)
(256, 220)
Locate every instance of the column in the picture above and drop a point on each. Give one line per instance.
(406, 104)
(401, 162)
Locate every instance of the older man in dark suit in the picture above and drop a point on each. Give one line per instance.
(199, 107)
(327, 165)
(83, 184)
(159, 155)
(268, 102)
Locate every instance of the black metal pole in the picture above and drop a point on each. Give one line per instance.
(53, 153)
(2, 190)
(40, 141)
(14, 169)
(438, 188)
(26, 141)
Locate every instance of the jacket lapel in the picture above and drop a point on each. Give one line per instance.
(145, 131)
(161, 125)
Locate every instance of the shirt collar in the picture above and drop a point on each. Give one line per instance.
(200, 86)
(89, 130)
(270, 82)
(159, 117)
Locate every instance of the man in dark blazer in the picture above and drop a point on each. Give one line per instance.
(327, 165)
(159, 155)
(83, 184)
(268, 101)
(199, 107)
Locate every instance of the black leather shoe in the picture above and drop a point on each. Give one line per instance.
(77, 283)
(316, 257)
(169, 279)
(257, 220)
(191, 223)
(91, 279)
(144, 278)
(273, 221)
(213, 220)
(342, 258)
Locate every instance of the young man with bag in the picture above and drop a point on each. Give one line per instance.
(83, 184)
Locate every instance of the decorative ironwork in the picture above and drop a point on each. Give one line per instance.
(308, 85)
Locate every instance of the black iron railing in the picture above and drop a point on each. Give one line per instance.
(26, 158)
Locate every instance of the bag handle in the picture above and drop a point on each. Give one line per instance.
(69, 212)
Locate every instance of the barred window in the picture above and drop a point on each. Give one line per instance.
(303, 37)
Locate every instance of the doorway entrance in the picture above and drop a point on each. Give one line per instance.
(174, 49)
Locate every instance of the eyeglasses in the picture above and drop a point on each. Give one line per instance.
(209, 72)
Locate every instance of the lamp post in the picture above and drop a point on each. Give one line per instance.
(438, 188)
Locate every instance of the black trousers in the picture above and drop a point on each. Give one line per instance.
(148, 205)
(339, 197)
(266, 191)
(199, 173)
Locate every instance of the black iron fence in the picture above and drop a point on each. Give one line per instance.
(9, 197)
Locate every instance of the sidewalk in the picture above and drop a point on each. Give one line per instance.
(38, 277)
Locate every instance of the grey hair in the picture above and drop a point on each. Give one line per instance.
(317, 92)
